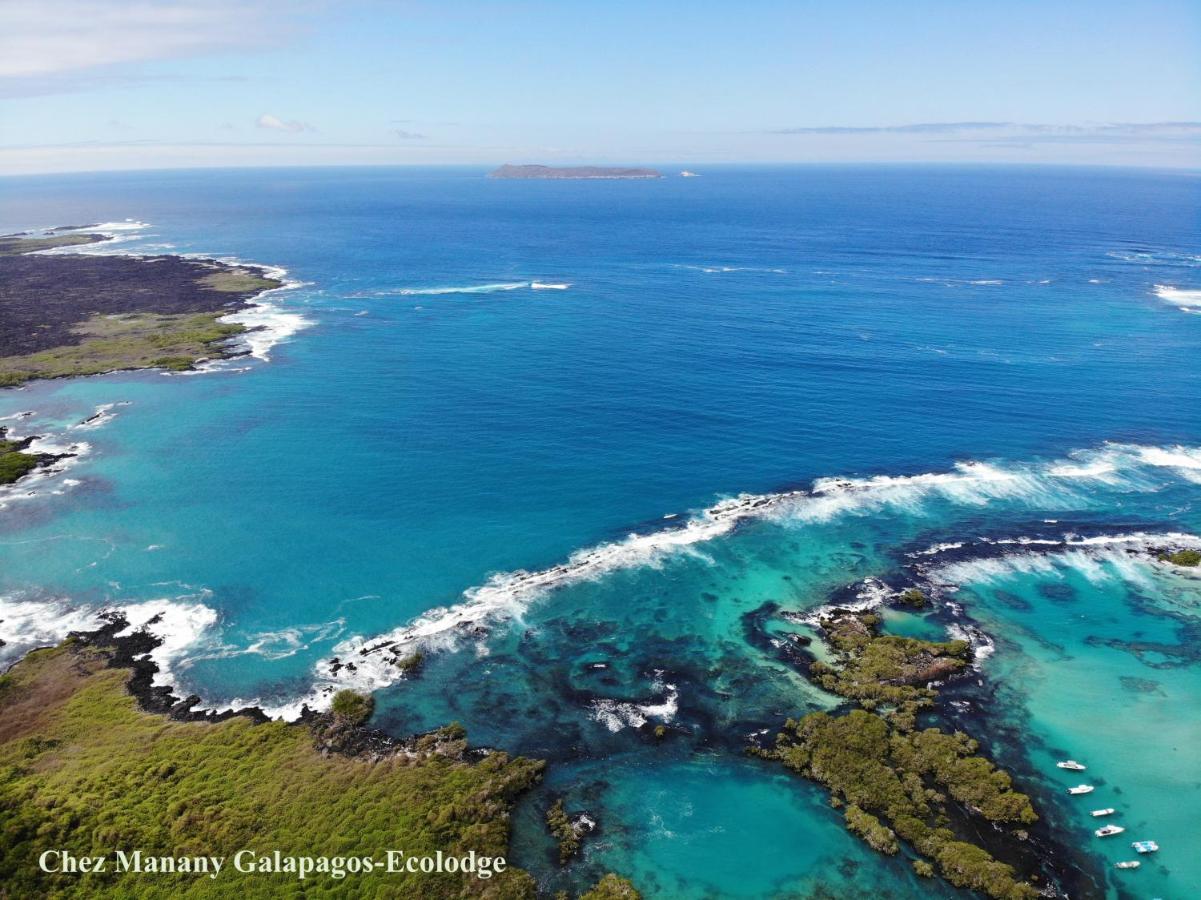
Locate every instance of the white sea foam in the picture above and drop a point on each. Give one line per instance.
(872, 594)
(508, 595)
(982, 645)
(114, 233)
(101, 415)
(180, 624)
(1156, 258)
(1186, 461)
(269, 324)
(616, 714)
(278, 644)
(1098, 559)
(935, 549)
(45, 479)
(721, 270)
(28, 624)
(1187, 299)
(462, 289)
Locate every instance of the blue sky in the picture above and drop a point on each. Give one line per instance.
(97, 84)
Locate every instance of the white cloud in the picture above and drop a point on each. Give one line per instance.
(275, 123)
(44, 40)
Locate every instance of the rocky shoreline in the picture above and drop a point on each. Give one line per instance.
(131, 649)
(71, 314)
(16, 460)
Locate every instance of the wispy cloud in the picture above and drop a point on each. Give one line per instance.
(275, 123)
(996, 133)
(408, 135)
(56, 45)
(919, 128)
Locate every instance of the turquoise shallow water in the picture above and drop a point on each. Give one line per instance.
(981, 351)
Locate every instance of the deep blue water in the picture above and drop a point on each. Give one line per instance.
(747, 331)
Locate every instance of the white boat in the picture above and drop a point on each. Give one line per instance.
(1145, 846)
(1108, 830)
(549, 285)
(1128, 864)
(1082, 789)
(1108, 811)
(687, 174)
(1071, 764)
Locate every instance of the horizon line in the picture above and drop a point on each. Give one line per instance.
(954, 164)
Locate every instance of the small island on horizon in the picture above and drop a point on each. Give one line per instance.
(533, 171)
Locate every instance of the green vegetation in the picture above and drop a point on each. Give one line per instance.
(896, 783)
(885, 670)
(612, 887)
(128, 341)
(1188, 558)
(15, 245)
(877, 835)
(78, 314)
(238, 281)
(13, 463)
(915, 598)
(563, 831)
(83, 769)
(351, 707)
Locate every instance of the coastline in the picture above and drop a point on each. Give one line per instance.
(176, 312)
(369, 663)
(244, 324)
(90, 701)
(842, 495)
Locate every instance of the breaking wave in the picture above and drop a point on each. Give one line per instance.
(269, 324)
(180, 625)
(369, 663)
(1188, 300)
(618, 714)
(1126, 557)
(491, 288)
(462, 289)
(1062, 483)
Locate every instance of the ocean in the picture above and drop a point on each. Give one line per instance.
(584, 442)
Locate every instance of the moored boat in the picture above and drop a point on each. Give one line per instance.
(1145, 846)
(1127, 864)
(1108, 811)
(1081, 789)
(1108, 830)
(1071, 764)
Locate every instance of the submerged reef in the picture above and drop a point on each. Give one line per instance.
(568, 831)
(612, 887)
(69, 314)
(900, 787)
